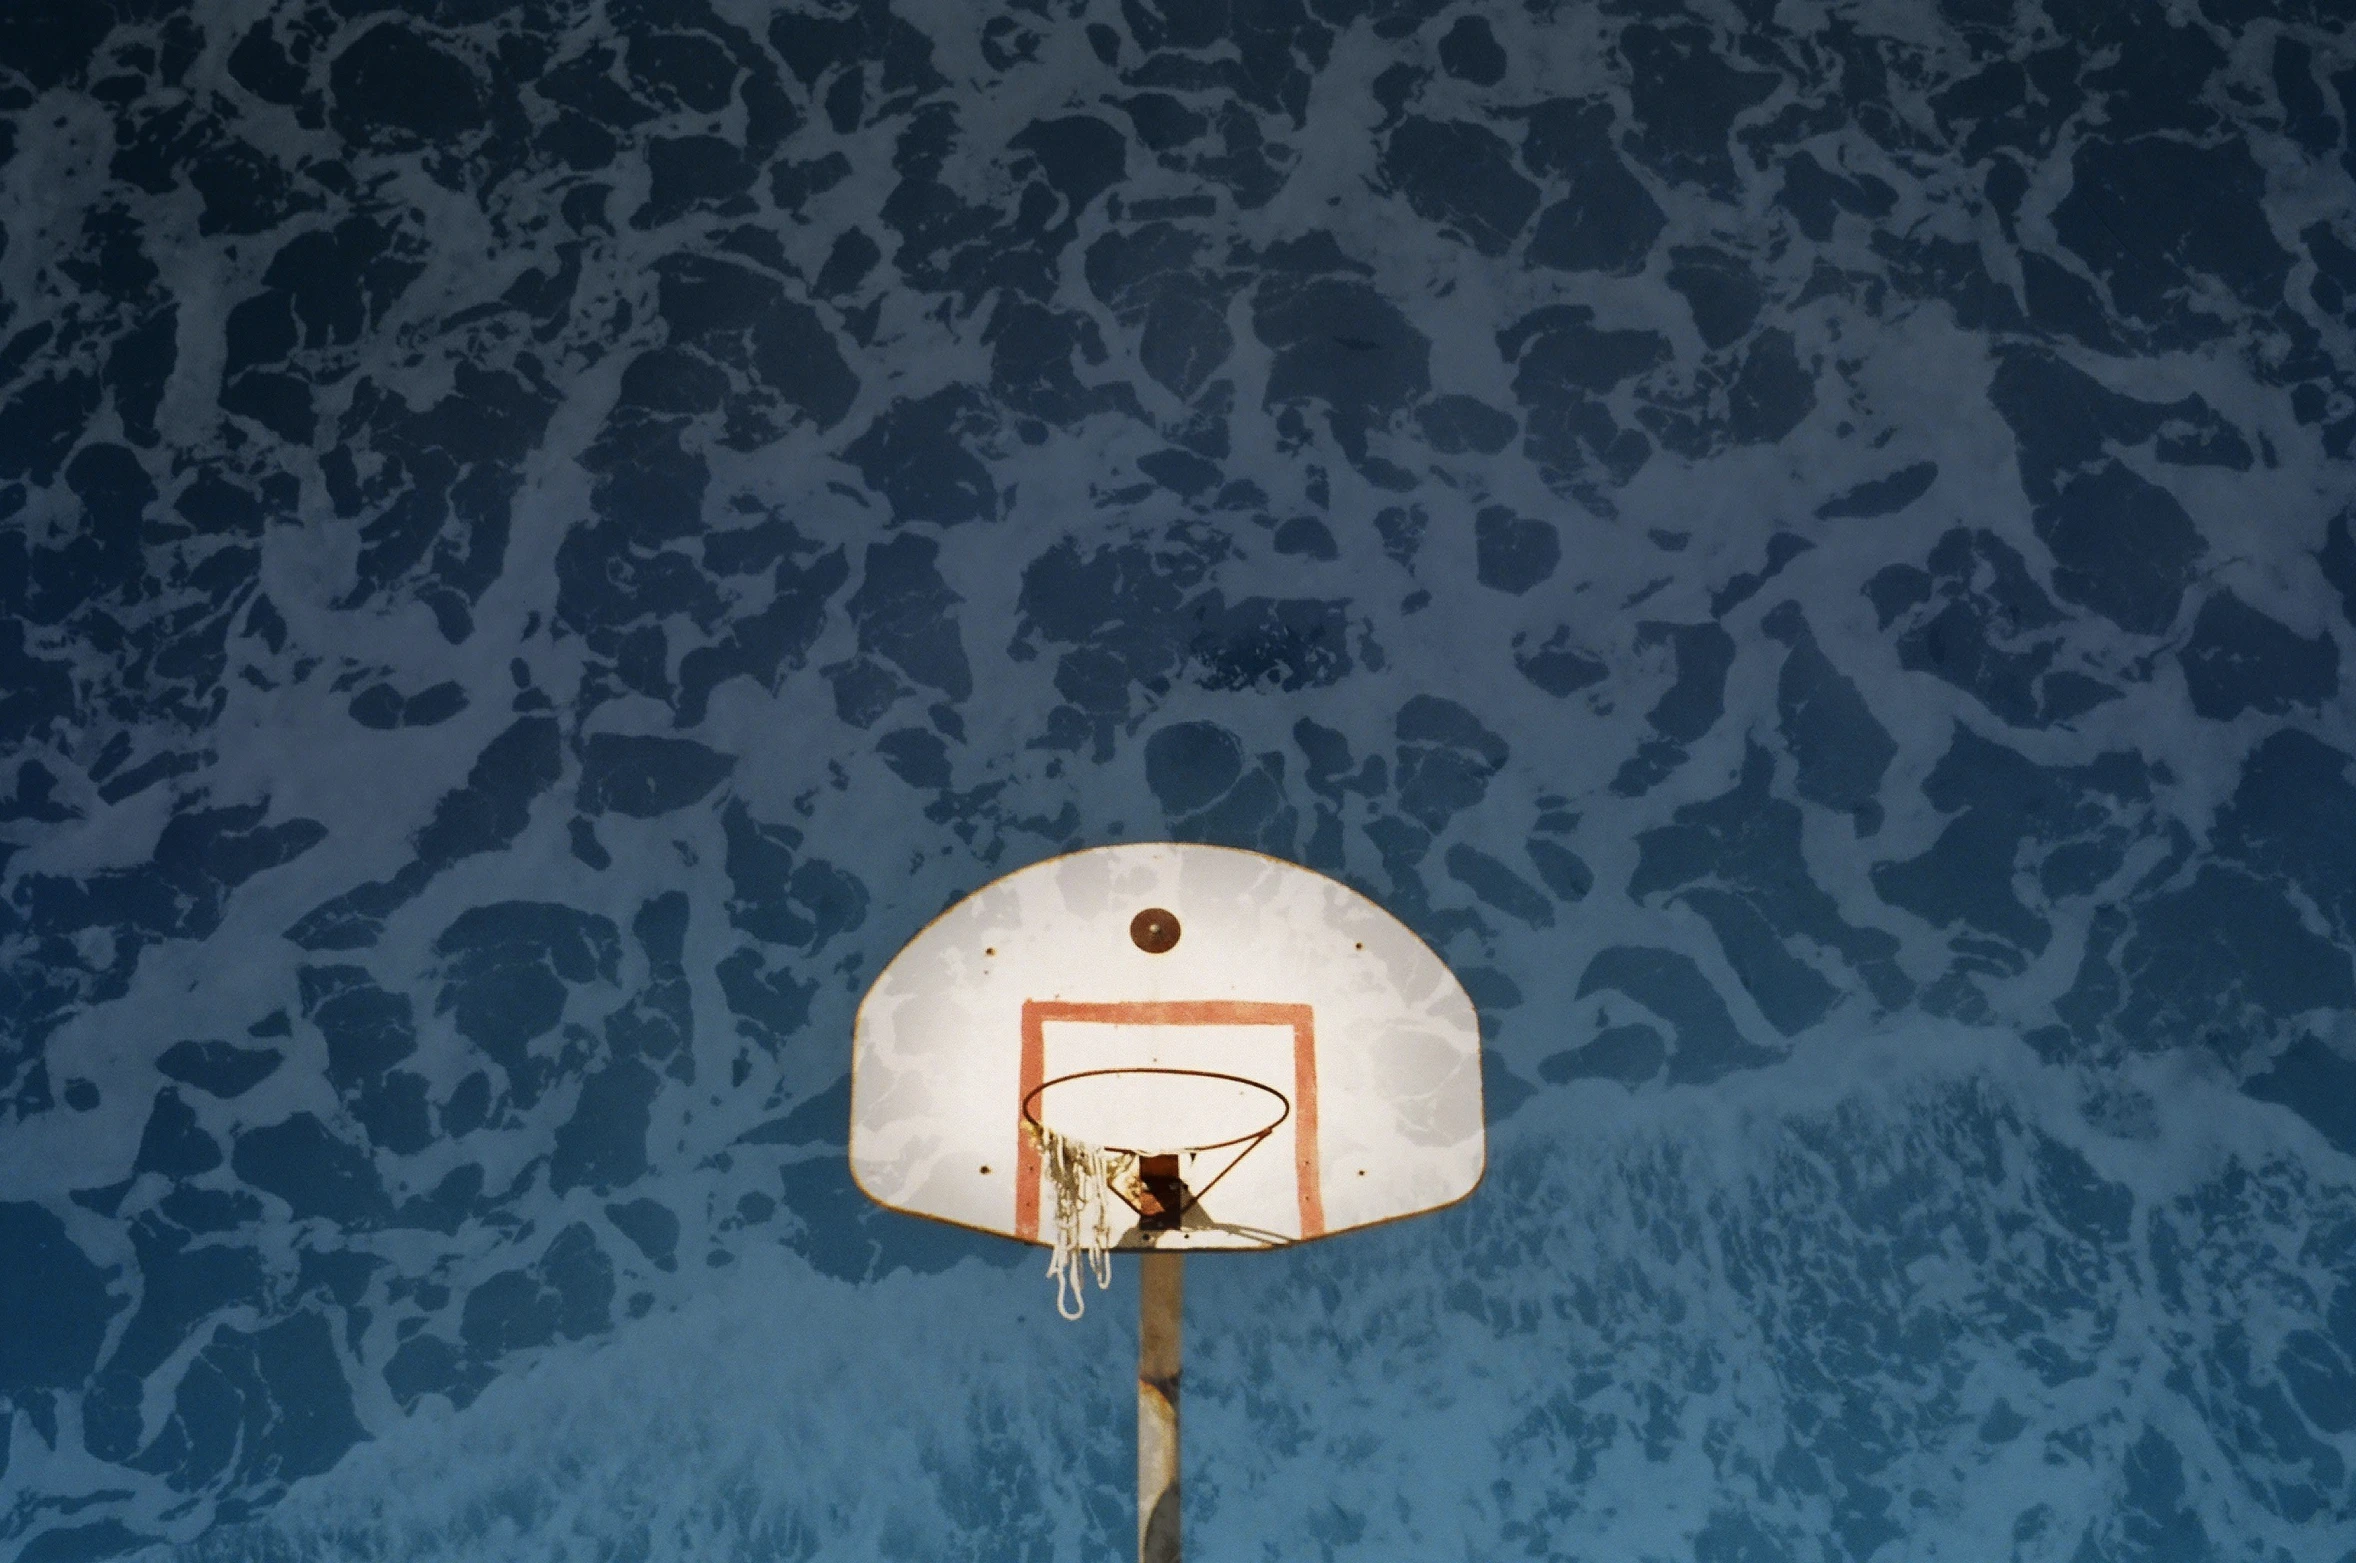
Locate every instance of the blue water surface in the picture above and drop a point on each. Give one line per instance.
(1806, 545)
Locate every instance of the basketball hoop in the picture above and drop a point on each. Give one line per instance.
(1174, 1026)
(1174, 1116)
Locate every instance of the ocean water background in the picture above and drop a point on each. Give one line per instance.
(1807, 548)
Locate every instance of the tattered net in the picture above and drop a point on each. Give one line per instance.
(1082, 1177)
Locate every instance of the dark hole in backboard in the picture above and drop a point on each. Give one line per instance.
(1165, 1194)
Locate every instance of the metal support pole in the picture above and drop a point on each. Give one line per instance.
(1161, 1298)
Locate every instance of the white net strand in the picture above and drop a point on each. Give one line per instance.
(1081, 1175)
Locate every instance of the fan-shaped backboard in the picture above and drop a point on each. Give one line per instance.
(1160, 997)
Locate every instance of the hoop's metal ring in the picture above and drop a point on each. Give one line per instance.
(1284, 1106)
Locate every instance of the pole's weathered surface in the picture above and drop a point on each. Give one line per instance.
(1161, 1298)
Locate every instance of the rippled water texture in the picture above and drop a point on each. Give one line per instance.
(1807, 548)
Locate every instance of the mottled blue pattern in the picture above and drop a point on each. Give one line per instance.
(1807, 548)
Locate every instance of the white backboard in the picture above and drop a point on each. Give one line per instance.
(1296, 1041)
